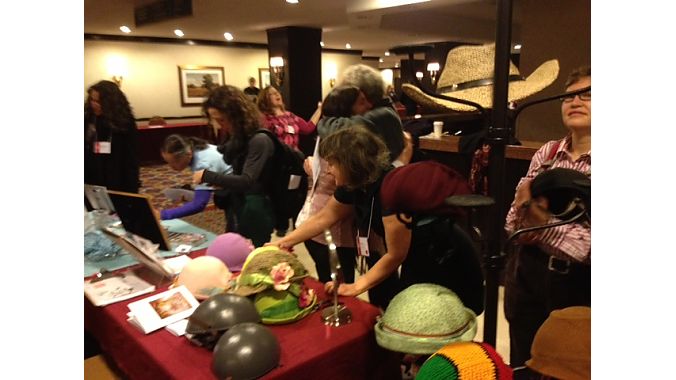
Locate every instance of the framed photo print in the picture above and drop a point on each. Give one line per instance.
(263, 77)
(196, 81)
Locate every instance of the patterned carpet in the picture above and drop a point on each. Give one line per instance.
(155, 178)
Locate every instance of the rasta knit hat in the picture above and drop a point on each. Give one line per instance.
(466, 361)
(562, 345)
(423, 318)
(422, 187)
(468, 75)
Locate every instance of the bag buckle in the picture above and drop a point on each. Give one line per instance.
(558, 265)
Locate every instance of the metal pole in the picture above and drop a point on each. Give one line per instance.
(498, 136)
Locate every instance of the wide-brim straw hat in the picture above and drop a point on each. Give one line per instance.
(468, 75)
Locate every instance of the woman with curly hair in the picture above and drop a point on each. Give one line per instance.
(248, 208)
(111, 139)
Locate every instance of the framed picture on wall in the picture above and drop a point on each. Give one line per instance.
(196, 81)
(264, 77)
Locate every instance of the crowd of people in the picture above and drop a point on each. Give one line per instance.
(384, 232)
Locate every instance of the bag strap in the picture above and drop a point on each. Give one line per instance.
(553, 151)
(549, 161)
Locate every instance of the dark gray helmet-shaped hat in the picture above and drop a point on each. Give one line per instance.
(246, 351)
(217, 314)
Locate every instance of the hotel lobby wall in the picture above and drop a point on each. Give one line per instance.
(151, 83)
(335, 64)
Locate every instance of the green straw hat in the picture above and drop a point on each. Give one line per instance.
(423, 318)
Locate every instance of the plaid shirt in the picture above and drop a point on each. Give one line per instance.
(282, 125)
(570, 241)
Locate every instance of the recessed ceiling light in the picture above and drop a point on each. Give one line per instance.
(321, 43)
(228, 36)
(517, 47)
(387, 53)
(178, 32)
(125, 29)
(348, 46)
(292, 1)
(381, 60)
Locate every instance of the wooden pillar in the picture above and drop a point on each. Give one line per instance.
(302, 86)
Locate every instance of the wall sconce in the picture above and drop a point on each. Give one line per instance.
(433, 69)
(419, 75)
(117, 68)
(331, 72)
(118, 80)
(277, 66)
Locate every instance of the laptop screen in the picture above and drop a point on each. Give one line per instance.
(136, 214)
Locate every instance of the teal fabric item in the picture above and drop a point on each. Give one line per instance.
(124, 260)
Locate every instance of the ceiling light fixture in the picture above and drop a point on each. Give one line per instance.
(292, 1)
(228, 36)
(348, 46)
(387, 53)
(381, 60)
(125, 29)
(178, 33)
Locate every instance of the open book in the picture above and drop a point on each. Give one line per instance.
(116, 288)
(160, 310)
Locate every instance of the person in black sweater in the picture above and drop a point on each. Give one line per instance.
(244, 195)
(110, 139)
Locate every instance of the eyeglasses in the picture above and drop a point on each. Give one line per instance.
(585, 96)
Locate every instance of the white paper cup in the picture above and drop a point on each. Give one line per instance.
(438, 128)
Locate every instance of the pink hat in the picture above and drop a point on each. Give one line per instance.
(232, 249)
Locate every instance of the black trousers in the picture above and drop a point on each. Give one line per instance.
(320, 254)
(533, 290)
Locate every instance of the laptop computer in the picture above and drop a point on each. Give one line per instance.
(136, 214)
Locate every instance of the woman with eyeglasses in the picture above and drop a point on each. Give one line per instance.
(551, 268)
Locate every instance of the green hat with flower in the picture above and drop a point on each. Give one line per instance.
(276, 278)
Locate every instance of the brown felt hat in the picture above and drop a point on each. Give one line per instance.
(562, 345)
(468, 75)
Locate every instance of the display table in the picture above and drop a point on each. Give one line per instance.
(309, 349)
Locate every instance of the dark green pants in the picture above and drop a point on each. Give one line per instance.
(252, 217)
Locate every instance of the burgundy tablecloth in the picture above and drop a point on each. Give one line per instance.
(310, 350)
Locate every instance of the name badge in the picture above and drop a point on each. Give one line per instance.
(102, 147)
(290, 130)
(363, 246)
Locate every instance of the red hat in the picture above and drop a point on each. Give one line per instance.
(422, 187)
